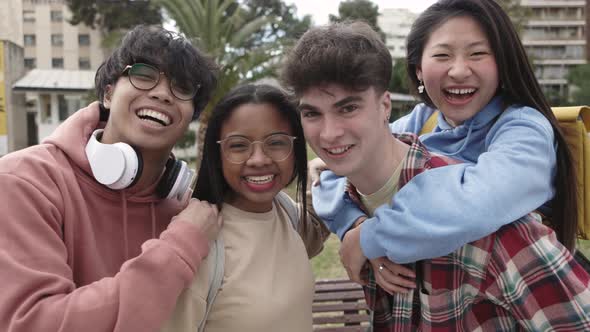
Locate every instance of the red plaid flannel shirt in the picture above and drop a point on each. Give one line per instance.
(519, 278)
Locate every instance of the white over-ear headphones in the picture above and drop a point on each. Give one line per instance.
(119, 166)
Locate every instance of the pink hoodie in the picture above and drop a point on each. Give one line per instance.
(77, 256)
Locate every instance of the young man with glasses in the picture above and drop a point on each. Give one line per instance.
(96, 233)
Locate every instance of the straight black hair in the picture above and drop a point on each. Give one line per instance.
(517, 85)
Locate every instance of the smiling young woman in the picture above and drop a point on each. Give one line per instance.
(253, 149)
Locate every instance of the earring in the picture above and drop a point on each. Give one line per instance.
(420, 87)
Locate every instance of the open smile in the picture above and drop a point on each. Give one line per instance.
(459, 96)
(338, 151)
(260, 183)
(154, 117)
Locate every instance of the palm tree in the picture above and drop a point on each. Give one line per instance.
(219, 28)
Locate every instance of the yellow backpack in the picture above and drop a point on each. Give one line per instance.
(575, 124)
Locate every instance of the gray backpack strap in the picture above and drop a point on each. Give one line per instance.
(216, 265)
(285, 201)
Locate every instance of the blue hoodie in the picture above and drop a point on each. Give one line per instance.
(510, 163)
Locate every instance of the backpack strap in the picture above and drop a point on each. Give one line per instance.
(287, 204)
(216, 268)
(430, 123)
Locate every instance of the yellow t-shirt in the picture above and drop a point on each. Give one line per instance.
(383, 195)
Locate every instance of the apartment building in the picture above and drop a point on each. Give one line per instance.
(396, 24)
(51, 42)
(13, 134)
(556, 39)
(60, 60)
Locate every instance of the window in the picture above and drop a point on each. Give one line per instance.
(84, 39)
(62, 107)
(57, 39)
(28, 15)
(30, 40)
(56, 16)
(84, 63)
(30, 63)
(57, 63)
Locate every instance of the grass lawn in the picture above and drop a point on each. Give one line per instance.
(327, 265)
(584, 247)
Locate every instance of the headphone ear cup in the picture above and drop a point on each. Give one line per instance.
(132, 169)
(168, 178)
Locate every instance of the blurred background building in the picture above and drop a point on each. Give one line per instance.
(556, 39)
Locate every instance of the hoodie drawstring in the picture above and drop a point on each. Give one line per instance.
(465, 141)
(153, 211)
(125, 236)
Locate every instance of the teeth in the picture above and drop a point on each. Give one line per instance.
(154, 114)
(338, 150)
(460, 91)
(259, 179)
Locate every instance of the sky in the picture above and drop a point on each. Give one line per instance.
(320, 9)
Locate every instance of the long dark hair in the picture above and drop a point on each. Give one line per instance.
(211, 185)
(518, 86)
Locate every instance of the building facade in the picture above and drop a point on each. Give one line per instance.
(556, 39)
(13, 132)
(60, 60)
(396, 24)
(51, 42)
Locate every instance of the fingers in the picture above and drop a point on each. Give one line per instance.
(315, 167)
(397, 268)
(393, 278)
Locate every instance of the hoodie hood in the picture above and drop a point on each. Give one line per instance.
(466, 141)
(72, 136)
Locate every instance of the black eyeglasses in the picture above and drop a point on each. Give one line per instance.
(237, 149)
(145, 77)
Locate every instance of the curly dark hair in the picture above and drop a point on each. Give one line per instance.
(170, 52)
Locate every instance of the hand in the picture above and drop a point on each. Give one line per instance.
(351, 255)
(315, 167)
(390, 276)
(204, 215)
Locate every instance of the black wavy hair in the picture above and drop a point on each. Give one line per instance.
(170, 52)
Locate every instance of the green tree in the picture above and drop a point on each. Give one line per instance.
(364, 10)
(114, 17)
(518, 13)
(114, 14)
(399, 77)
(579, 77)
(224, 29)
(287, 28)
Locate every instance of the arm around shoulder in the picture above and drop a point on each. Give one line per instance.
(332, 204)
(41, 291)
